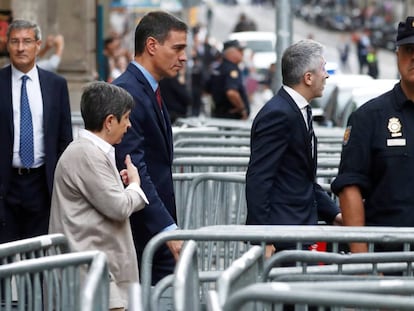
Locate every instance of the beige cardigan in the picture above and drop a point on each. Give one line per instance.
(91, 207)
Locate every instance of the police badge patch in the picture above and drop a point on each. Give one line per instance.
(394, 126)
(347, 134)
(234, 74)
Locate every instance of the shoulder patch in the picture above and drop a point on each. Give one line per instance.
(234, 74)
(347, 133)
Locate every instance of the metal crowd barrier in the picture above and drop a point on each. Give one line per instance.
(211, 152)
(243, 271)
(186, 294)
(184, 181)
(227, 243)
(365, 278)
(134, 297)
(206, 194)
(212, 142)
(215, 199)
(209, 164)
(73, 281)
(218, 123)
(326, 171)
(206, 132)
(77, 123)
(281, 295)
(327, 146)
(316, 265)
(40, 246)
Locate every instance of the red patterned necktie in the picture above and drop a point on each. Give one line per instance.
(158, 96)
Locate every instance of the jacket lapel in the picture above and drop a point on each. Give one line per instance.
(304, 132)
(162, 119)
(7, 101)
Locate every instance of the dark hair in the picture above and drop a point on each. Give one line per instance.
(99, 100)
(24, 24)
(108, 41)
(157, 24)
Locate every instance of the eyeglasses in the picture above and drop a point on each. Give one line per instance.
(25, 42)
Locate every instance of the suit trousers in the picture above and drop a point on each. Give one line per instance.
(27, 206)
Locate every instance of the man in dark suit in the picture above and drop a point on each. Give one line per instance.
(280, 180)
(35, 128)
(160, 43)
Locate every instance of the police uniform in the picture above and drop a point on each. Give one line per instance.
(378, 157)
(225, 77)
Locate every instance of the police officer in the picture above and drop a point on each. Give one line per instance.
(226, 84)
(375, 181)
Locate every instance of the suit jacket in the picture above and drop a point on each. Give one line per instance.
(91, 208)
(57, 125)
(280, 180)
(149, 142)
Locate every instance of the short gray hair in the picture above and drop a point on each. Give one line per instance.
(299, 58)
(24, 24)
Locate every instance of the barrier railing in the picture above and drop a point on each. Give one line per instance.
(229, 242)
(40, 246)
(56, 283)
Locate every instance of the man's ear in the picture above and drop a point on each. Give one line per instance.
(151, 45)
(38, 46)
(307, 78)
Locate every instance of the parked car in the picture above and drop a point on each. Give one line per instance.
(337, 92)
(262, 45)
(363, 94)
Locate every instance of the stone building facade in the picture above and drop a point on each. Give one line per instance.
(76, 20)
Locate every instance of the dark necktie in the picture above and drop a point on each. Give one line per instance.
(158, 96)
(26, 128)
(310, 125)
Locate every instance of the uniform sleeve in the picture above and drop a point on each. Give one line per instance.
(355, 161)
(232, 79)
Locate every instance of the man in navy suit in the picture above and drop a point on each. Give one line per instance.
(26, 186)
(280, 180)
(160, 43)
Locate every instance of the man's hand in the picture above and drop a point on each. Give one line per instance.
(269, 251)
(175, 248)
(358, 247)
(338, 220)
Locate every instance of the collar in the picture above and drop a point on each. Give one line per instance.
(151, 80)
(96, 140)
(17, 74)
(400, 99)
(300, 101)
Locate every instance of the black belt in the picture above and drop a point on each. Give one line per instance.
(27, 171)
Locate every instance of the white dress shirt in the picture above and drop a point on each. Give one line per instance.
(34, 94)
(301, 102)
